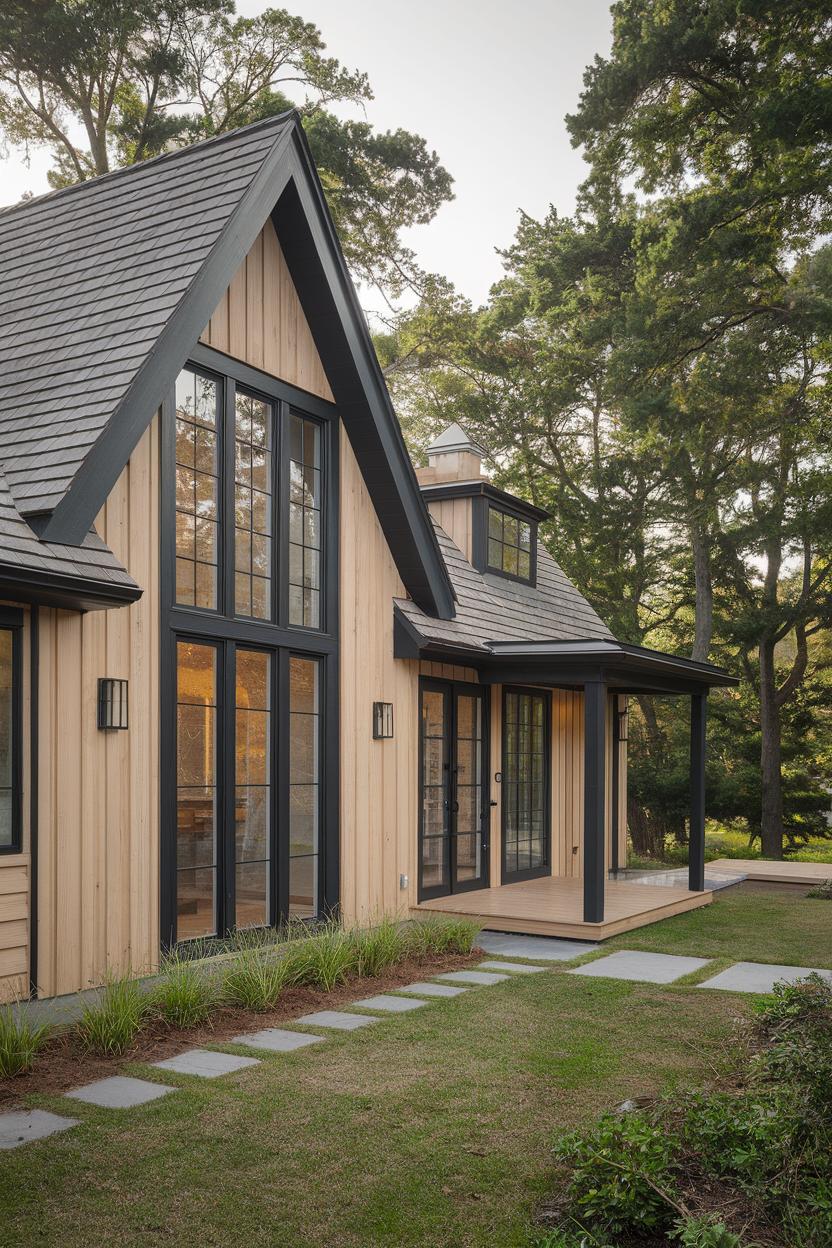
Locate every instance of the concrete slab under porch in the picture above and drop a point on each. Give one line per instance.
(553, 906)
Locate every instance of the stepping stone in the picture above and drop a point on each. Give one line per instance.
(205, 1063)
(433, 990)
(120, 1092)
(340, 1020)
(516, 968)
(758, 976)
(275, 1040)
(392, 1005)
(24, 1125)
(648, 968)
(538, 948)
(471, 977)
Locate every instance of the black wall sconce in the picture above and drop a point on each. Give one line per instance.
(382, 721)
(623, 717)
(112, 703)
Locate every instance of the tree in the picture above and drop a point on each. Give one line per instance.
(103, 83)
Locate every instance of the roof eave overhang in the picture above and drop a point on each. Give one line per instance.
(338, 327)
(70, 593)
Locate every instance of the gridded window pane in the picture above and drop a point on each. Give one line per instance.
(525, 768)
(509, 544)
(304, 785)
(304, 522)
(252, 797)
(196, 793)
(7, 741)
(253, 440)
(197, 489)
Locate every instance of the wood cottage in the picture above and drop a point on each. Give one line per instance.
(252, 665)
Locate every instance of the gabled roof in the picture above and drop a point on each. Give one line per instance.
(105, 288)
(83, 577)
(493, 609)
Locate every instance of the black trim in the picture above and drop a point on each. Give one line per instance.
(59, 589)
(287, 187)
(34, 686)
(595, 757)
(698, 750)
(11, 620)
(484, 489)
(451, 689)
(532, 873)
(614, 783)
(479, 544)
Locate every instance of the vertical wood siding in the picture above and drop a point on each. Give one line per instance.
(98, 798)
(454, 515)
(259, 320)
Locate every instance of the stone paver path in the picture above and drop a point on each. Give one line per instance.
(276, 1040)
(23, 1125)
(120, 1092)
(391, 1005)
(205, 1063)
(537, 948)
(648, 968)
(471, 977)
(339, 1020)
(516, 968)
(758, 976)
(433, 990)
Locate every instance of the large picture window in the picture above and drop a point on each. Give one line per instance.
(11, 626)
(525, 784)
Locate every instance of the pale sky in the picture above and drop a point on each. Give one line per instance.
(486, 82)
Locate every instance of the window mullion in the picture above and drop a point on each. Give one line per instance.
(227, 761)
(281, 525)
(227, 508)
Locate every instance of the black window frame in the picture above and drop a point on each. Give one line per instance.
(220, 627)
(481, 505)
(531, 873)
(11, 620)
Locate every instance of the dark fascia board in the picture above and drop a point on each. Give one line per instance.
(319, 272)
(286, 177)
(477, 489)
(72, 593)
(74, 514)
(409, 643)
(622, 660)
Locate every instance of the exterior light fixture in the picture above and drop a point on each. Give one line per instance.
(623, 715)
(112, 703)
(382, 721)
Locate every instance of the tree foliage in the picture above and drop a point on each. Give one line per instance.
(103, 83)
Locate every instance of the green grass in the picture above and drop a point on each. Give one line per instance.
(432, 1130)
(111, 1024)
(743, 927)
(21, 1039)
(726, 842)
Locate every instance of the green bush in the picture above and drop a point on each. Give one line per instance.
(20, 1040)
(323, 960)
(705, 1233)
(380, 947)
(822, 891)
(111, 1025)
(623, 1175)
(185, 995)
(256, 978)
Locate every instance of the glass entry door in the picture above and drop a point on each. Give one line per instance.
(525, 785)
(453, 769)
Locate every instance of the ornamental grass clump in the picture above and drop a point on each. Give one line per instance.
(185, 995)
(111, 1025)
(325, 959)
(443, 936)
(378, 948)
(21, 1040)
(255, 979)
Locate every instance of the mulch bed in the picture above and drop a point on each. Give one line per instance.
(63, 1064)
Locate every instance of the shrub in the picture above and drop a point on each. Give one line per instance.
(790, 1007)
(377, 948)
(822, 891)
(185, 995)
(437, 936)
(623, 1175)
(255, 979)
(705, 1233)
(110, 1026)
(20, 1041)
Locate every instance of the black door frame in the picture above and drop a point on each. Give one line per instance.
(532, 873)
(451, 689)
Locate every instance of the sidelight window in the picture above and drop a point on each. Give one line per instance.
(10, 731)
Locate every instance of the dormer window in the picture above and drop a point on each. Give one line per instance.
(509, 547)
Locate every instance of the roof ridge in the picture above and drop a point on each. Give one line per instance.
(23, 204)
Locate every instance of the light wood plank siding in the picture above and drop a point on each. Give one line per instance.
(98, 799)
(379, 779)
(455, 517)
(259, 320)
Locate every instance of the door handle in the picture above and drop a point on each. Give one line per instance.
(492, 803)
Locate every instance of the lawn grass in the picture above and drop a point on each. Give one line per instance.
(431, 1130)
(722, 841)
(744, 926)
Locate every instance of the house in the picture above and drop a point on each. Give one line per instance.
(252, 667)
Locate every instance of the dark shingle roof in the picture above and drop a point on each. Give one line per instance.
(89, 276)
(90, 573)
(491, 608)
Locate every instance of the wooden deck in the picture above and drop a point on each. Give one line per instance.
(772, 872)
(553, 906)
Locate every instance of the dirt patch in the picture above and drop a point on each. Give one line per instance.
(63, 1064)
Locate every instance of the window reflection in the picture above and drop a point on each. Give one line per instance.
(196, 790)
(304, 786)
(197, 490)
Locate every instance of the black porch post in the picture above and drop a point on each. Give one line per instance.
(696, 849)
(595, 723)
